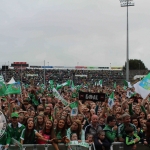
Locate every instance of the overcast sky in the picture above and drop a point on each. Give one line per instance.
(73, 32)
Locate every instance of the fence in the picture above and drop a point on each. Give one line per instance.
(114, 146)
(121, 146)
(40, 147)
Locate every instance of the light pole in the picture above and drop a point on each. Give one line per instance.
(126, 3)
(139, 68)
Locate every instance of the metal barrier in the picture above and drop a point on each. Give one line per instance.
(122, 146)
(40, 147)
(114, 146)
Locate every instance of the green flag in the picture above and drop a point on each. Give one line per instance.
(74, 107)
(67, 83)
(100, 83)
(127, 84)
(2, 86)
(51, 82)
(130, 94)
(58, 86)
(74, 104)
(115, 85)
(14, 88)
(72, 86)
(111, 100)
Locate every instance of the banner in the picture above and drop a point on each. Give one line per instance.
(58, 96)
(83, 144)
(92, 96)
(32, 75)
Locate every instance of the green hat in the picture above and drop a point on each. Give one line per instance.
(14, 115)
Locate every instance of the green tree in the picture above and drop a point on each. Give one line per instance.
(135, 64)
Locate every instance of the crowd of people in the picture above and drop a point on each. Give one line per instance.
(61, 76)
(37, 116)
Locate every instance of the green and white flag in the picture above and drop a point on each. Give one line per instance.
(74, 107)
(67, 83)
(127, 84)
(143, 87)
(72, 86)
(13, 89)
(58, 96)
(115, 85)
(111, 100)
(58, 86)
(100, 83)
(130, 94)
(51, 82)
(2, 86)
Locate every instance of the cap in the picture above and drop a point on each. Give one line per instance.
(14, 115)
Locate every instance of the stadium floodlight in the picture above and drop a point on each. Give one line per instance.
(126, 3)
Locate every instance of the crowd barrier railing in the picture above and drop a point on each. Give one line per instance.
(122, 146)
(41, 147)
(114, 146)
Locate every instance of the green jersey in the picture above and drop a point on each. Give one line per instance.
(14, 132)
(30, 137)
(4, 140)
(110, 133)
(121, 130)
(130, 139)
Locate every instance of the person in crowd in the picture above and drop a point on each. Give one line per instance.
(111, 129)
(73, 137)
(40, 122)
(76, 127)
(94, 127)
(89, 138)
(131, 138)
(146, 136)
(48, 112)
(46, 133)
(14, 129)
(126, 123)
(136, 122)
(29, 133)
(100, 142)
(59, 134)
